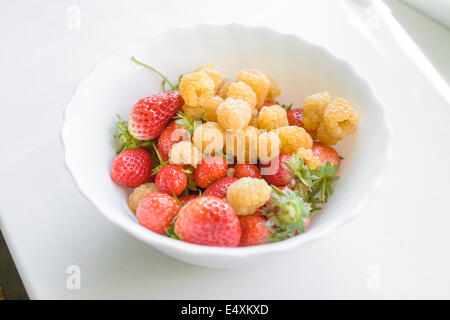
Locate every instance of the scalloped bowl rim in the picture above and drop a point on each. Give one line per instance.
(199, 250)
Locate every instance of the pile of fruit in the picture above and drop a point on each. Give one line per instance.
(221, 163)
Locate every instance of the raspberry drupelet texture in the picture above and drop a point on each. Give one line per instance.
(308, 157)
(208, 106)
(156, 211)
(253, 230)
(313, 109)
(215, 75)
(209, 138)
(223, 88)
(272, 117)
(193, 112)
(292, 138)
(268, 146)
(258, 82)
(274, 90)
(324, 136)
(246, 195)
(139, 193)
(240, 90)
(195, 85)
(242, 144)
(254, 119)
(230, 172)
(185, 153)
(340, 118)
(234, 114)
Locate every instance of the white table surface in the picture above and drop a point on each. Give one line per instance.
(397, 248)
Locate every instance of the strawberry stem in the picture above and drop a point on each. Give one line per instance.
(165, 80)
(161, 162)
(157, 152)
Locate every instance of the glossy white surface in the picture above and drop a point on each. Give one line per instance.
(298, 67)
(397, 248)
(437, 9)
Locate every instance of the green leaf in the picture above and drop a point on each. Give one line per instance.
(287, 213)
(186, 122)
(127, 141)
(287, 107)
(170, 231)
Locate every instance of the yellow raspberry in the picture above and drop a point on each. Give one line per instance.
(209, 107)
(242, 144)
(272, 117)
(274, 90)
(209, 138)
(215, 75)
(223, 88)
(292, 138)
(247, 195)
(313, 109)
(268, 146)
(258, 82)
(183, 153)
(240, 90)
(308, 157)
(323, 136)
(195, 85)
(233, 114)
(254, 119)
(340, 118)
(139, 193)
(192, 112)
(230, 172)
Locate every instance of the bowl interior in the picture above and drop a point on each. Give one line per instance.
(298, 67)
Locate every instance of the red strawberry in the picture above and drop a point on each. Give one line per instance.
(281, 177)
(171, 179)
(242, 170)
(208, 221)
(132, 168)
(219, 188)
(149, 116)
(325, 153)
(186, 199)
(172, 134)
(295, 117)
(156, 211)
(211, 169)
(253, 230)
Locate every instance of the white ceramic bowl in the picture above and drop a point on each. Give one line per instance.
(300, 68)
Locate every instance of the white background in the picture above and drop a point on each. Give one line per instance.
(398, 247)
